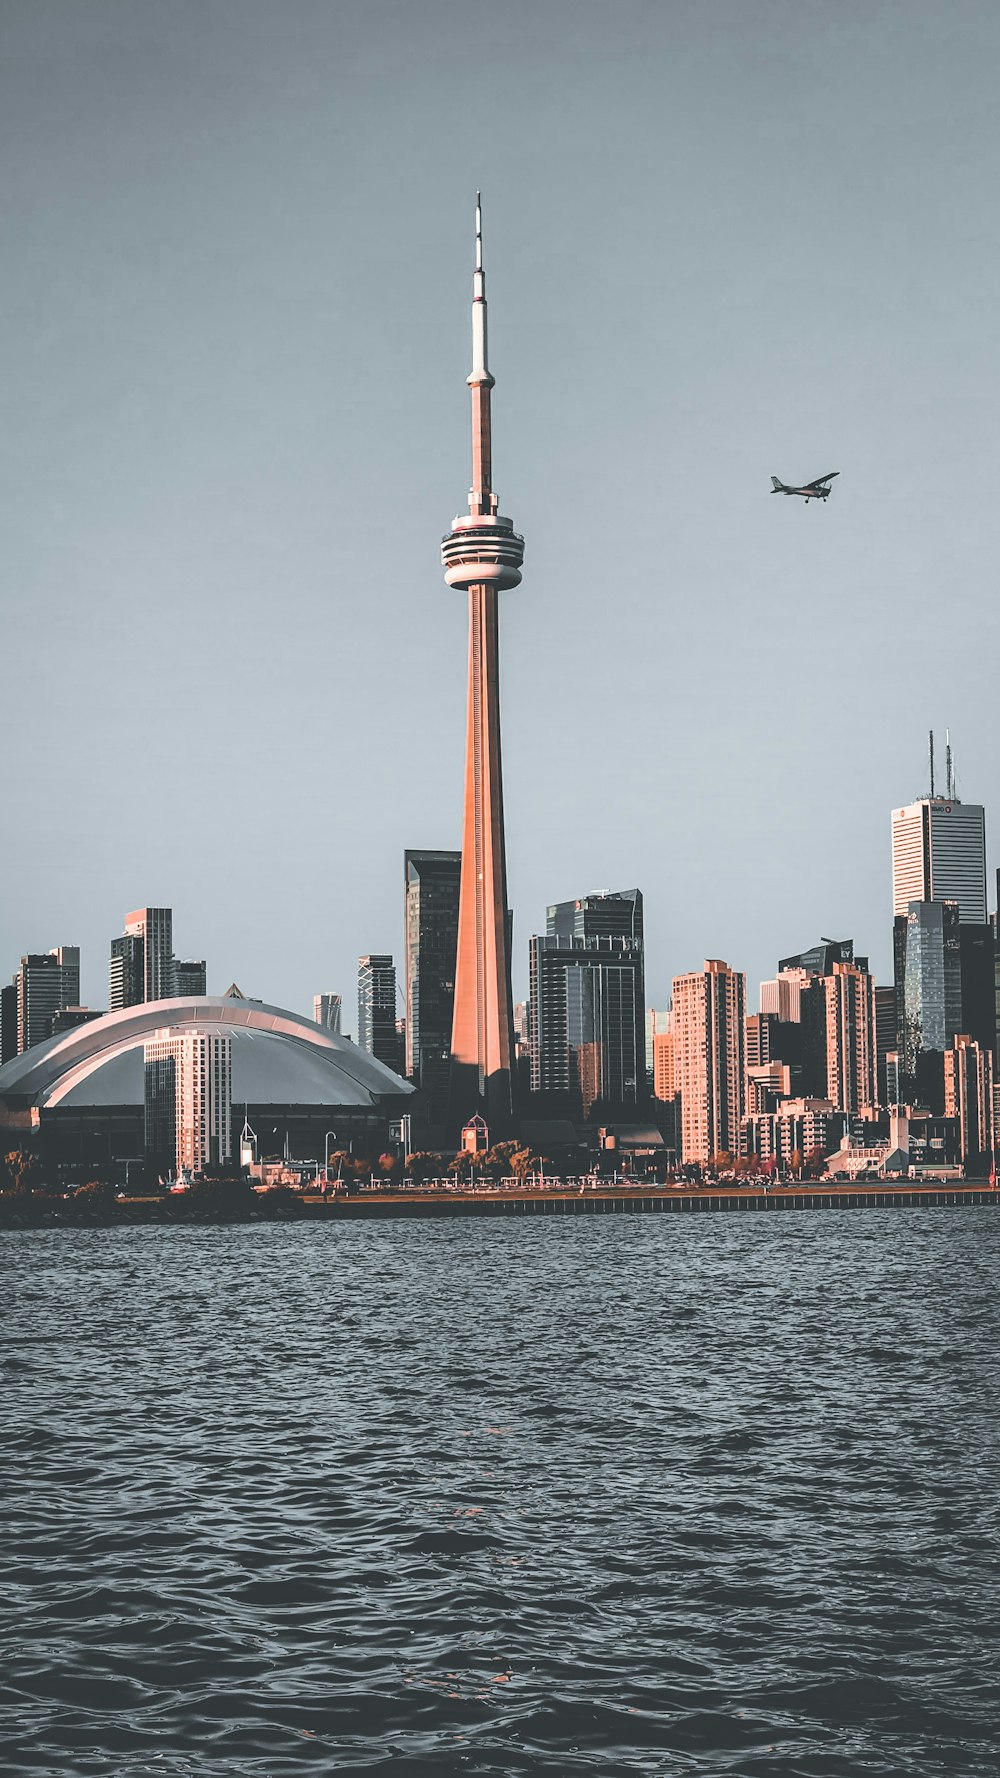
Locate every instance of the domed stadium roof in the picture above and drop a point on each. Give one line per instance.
(278, 1058)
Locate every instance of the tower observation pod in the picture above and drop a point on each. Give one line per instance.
(482, 554)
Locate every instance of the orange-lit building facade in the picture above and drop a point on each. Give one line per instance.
(709, 1013)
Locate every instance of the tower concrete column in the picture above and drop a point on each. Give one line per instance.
(483, 554)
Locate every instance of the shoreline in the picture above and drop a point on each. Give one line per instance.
(159, 1211)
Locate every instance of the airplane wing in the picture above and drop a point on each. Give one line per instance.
(822, 479)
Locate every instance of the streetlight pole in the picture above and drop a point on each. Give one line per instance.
(326, 1153)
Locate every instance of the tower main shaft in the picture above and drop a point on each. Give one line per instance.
(483, 553)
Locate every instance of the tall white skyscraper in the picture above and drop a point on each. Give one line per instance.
(939, 854)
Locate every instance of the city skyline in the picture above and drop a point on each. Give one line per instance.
(206, 475)
(878, 945)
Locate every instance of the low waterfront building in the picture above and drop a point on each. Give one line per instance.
(802, 1127)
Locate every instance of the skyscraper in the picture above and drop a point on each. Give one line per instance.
(432, 887)
(586, 1025)
(928, 951)
(613, 913)
(709, 1012)
(968, 1095)
(939, 854)
(780, 998)
(849, 1018)
(142, 960)
(190, 979)
(616, 913)
(188, 1099)
(327, 1011)
(664, 1068)
(44, 983)
(819, 960)
(8, 1022)
(482, 554)
(377, 1009)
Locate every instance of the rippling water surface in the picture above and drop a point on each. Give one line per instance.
(708, 1495)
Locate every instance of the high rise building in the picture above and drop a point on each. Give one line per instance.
(761, 1029)
(709, 1013)
(328, 1011)
(126, 972)
(968, 1096)
(655, 1021)
(780, 998)
(142, 960)
(188, 1099)
(996, 986)
(377, 1009)
(8, 1022)
(928, 959)
(586, 1031)
(612, 914)
(190, 979)
(45, 982)
(664, 1061)
(939, 854)
(817, 961)
(70, 1018)
(886, 1038)
(432, 883)
(615, 913)
(483, 554)
(849, 1017)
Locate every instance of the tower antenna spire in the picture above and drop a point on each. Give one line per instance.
(482, 500)
(930, 752)
(949, 773)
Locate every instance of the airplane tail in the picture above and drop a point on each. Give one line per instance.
(776, 486)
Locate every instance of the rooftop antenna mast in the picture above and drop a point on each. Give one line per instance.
(930, 750)
(949, 768)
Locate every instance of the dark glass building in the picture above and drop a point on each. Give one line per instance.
(586, 1033)
(821, 959)
(616, 914)
(928, 959)
(377, 1031)
(8, 1022)
(127, 972)
(432, 881)
(190, 979)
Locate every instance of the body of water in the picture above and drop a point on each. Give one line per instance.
(619, 1495)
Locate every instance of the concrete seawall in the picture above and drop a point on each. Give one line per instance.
(617, 1201)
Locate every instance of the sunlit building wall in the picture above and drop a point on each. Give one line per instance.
(709, 1013)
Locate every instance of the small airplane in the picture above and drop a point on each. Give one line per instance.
(817, 490)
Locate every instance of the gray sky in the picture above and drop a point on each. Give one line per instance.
(724, 238)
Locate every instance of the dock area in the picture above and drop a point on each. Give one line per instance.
(617, 1200)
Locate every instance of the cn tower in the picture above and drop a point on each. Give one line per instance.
(483, 553)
